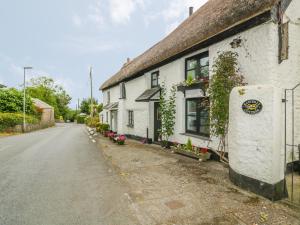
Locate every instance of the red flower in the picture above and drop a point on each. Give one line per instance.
(204, 150)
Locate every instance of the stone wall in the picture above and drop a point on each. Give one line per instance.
(29, 128)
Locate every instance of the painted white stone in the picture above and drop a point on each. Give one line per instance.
(255, 140)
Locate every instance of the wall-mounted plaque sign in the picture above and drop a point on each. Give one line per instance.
(252, 106)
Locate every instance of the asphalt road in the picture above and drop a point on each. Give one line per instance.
(58, 176)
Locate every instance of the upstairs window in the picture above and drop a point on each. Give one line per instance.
(197, 67)
(154, 79)
(130, 118)
(108, 97)
(122, 91)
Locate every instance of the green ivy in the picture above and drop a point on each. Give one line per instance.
(225, 77)
(167, 112)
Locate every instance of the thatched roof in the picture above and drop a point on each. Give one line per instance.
(213, 18)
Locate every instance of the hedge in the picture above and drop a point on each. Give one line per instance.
(11, 101)
(9, 120)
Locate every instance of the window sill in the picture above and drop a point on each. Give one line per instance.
(130, 126)
(205, 138)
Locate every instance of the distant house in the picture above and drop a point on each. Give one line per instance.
(47, 111)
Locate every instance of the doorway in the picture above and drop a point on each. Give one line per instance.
(157, 121)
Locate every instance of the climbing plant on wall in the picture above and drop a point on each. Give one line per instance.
(225, 77)
(167, 112)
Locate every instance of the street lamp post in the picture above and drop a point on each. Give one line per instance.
(24, 96)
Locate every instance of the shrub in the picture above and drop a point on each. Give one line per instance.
(189, 145)
(92, 121)
(81, 119)
(102, 127)
(9, 120)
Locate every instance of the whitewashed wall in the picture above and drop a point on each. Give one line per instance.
(254, 147)
(288, 75)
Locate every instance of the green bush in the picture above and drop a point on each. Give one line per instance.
(81, 119)
(9, 120)
(102, 127)
(92, 121)
(11, 101)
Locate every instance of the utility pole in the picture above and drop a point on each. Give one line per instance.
(24, 97)
(78, 105)
(91, 79)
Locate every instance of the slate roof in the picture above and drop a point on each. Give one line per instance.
(213, 18)
(111, 106)
(148, 94)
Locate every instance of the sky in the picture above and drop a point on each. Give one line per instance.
(61, 39)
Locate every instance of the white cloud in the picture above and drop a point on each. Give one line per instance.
(77, 20)
(93, 17)
(121, 11)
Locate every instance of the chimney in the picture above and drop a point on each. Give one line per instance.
(191, 11)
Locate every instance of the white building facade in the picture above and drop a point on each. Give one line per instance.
(267, 41)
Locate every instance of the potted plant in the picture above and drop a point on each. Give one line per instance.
(204, 154)
(121, 139)
(111, 135)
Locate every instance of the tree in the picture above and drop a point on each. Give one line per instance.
(45, 89)
(100, 108)
(85, 106)
(167, 112)
(225, 77)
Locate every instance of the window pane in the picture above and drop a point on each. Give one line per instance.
(205, 71)
(191, 64)
(191, 123)
(191, 73)
(205, 130)
(204, 61)
(154, 81)
(191, 107)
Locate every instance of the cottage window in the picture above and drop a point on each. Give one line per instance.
(154, 79)
(130, 118)
(122, 91)
(106, 117)
(197, 116)
(108, 97)
(197, 67)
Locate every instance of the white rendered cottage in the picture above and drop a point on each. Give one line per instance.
(266, 36)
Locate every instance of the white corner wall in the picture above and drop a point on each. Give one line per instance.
(255, 140)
